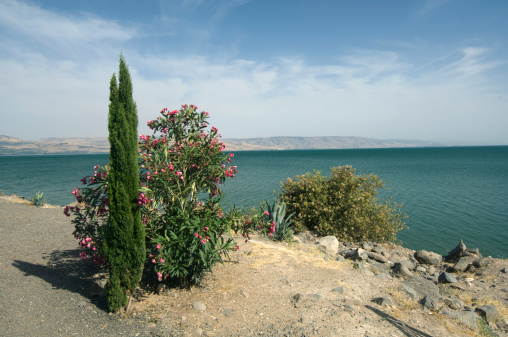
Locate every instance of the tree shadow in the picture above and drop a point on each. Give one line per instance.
(65, 270)
(403, 327)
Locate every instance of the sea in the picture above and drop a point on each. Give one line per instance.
(448, 193)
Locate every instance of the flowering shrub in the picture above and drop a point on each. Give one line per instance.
(182, 169)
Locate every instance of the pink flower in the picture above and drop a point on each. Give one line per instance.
(159, 276)
(196, 234)
(161, 260)
(158, 246)
(267, 213)
(153, 261)
(203, 241)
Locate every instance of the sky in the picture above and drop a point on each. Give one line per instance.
(394, 69)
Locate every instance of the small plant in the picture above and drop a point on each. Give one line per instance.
(1, 193)
(280, 225)
(37, 199)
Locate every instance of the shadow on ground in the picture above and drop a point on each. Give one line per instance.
(403, 327)
(65, 270)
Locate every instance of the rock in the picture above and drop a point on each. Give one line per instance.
(488, 312)
(98, 287)
(367, 245)
(457, 251)
(504, 270)
(383, 301)
(431, 270)
(198, 306)
(379, 268)
(466, 317)
(461, 264)
(296, 239)
(483, 262)
(228, 312)
(425, 257)
(430, 302)
(246, 295)
(454, 303)
(339, 290)
(329, 244)
(356, 254)
(380, 250)
(339, 258)
(474, 251)
(401, 270)
(313, 297)
(502, 325)
(411, 292)
(421, 269)
(445, 277)
(422, 286)
(377, 257)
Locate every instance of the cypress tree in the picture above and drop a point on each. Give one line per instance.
(125, 237)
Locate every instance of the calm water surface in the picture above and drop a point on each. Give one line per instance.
(448, 193)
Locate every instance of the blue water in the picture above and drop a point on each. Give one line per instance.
(448, 193)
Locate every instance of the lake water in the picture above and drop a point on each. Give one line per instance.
(448, 193)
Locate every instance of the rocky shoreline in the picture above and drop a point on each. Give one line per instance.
(310, 287)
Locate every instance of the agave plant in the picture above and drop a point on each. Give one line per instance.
(37, 199)
(277, 215)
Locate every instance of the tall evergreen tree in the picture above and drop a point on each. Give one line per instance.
(125, 237)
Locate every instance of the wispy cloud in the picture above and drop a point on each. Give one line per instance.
(430, 5)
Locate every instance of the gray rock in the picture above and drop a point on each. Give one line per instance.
(200, 306)
(339, 290)
(313, 297)
(502, 325)
(340, 258)
(377, 257)
(411, 292)
(425, 257)
(488, 312)
(384, 275)
(383, 301)
(228, 312)
(367, 245)
(422, 286)
(430, 302)
(466, 317)
(378, 268)
(445, 277)
(411, 265)
(454, 303)
(483, 262)
(421, 269)
(457, 251)
(349, 308)
(401, 270)
(462, 264)
(474, 251)
(380, 250)
(329, 244)
(356, 254)
(504, 270)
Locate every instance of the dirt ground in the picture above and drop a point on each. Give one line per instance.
(266, 288)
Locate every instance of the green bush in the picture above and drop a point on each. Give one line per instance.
(345, 205)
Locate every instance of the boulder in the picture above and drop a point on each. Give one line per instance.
(422, 286)
(329, 244)
(488, 312)
(377, 257)
(430, 302)
(474, 251)
(457, 251)
(483, 262)
(411, 292)
(461, 264)
(401, 270)
(383, 301)
(425, 257)
(356, 254)
(445, 277)
(468, 318)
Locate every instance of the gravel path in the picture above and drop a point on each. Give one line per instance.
(45, 287)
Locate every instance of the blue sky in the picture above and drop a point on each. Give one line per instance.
(428, 70)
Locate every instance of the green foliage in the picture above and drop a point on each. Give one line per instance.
(37, 199)
(124, 243)
(183, 167)
(1, 193)
(345, 205)
(280, 225)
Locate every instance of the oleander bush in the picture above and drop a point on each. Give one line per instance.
(182, 167)
(345, 205)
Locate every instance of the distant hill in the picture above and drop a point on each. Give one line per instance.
(10, 146)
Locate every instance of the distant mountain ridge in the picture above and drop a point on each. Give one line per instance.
(10, 146)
